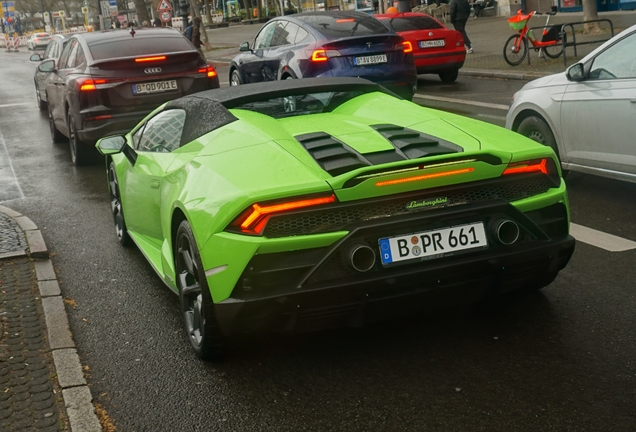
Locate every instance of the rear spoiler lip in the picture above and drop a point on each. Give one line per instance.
(116, 59)
(387, 35)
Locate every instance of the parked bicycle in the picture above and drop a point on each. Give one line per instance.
(516, 47)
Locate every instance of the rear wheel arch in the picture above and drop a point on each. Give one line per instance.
(178, 216)
(529, 113)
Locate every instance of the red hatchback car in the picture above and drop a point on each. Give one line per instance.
(436, 49)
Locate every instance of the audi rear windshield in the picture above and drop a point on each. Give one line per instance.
(341, 25)
(140, 46)
(404, 24)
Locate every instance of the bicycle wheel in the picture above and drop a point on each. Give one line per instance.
(553, 51)
(515, 50)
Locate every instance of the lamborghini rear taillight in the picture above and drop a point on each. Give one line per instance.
(542, 166)
(254, 219)
(412, 178)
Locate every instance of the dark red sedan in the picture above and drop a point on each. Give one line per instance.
(436, 49)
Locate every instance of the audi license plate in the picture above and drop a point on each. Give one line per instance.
(432, 43)
(434, 243)
(369, 60)
(154, 87)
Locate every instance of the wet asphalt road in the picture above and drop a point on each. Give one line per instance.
(559, 360)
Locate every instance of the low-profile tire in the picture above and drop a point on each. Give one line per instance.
(538, 130)
(41, 104)
(449, 76)
(56, 135)
(80, 152)
(197, 307)
(235, 78)
(117, 208)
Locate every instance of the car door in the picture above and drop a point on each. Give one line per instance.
(255, 66)
(154, 143)
(56, 86)
(599, 113)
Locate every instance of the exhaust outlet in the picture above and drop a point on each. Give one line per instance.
(359, 257)
(505, 231)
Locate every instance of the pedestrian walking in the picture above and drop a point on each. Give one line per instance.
(196, 33)
(459, 14)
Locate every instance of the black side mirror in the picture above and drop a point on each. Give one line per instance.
(575, 72)
(35, 58)
(245, 46)
(47, 66)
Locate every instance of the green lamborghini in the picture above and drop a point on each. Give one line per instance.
(307, 204)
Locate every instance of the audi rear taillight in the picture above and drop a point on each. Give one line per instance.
(322, 55)
(149, 59)
(90, 84)
(542, 166)
(254, 219)
(208, 70)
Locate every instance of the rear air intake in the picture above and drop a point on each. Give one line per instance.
(332, 155)
(413, 144)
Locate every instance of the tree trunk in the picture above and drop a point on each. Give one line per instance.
(208, 12)
(142, 12)
(590, 12)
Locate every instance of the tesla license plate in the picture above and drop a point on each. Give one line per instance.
(154, 87)
(432, 244)
(369, 60)
(432, 43)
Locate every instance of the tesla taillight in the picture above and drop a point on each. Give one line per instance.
(253, 220)
(407, 46)
(322, 55)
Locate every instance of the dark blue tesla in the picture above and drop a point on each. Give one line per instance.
(327, 44)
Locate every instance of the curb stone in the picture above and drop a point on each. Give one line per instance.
(77, 396)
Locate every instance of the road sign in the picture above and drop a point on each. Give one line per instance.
(164, 6)
(112, 2)
(165, 16)
(61, 14)
(84, 10)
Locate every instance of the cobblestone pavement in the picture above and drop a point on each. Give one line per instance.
(11, 236)
(28, 397)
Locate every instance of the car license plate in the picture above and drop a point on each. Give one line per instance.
(154, 87)
(433, 243)
(370, 60)
(432, 43)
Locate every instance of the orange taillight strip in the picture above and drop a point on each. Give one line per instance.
(149, 59)
(259, 212)
(425, 177)
(528, 167)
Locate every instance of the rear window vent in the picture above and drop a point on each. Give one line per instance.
(414, 144)
(332, 155)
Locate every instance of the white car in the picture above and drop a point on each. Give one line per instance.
(588, 113)
(39, 40)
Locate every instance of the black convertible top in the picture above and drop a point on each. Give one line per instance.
(208, 110)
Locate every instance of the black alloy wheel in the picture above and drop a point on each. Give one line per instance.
(56, 135)
(80, 153)
(196, 301)
(116, 207)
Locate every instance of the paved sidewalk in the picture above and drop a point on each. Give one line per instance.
(488, 36)
(42, 385)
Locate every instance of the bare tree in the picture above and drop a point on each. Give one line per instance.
(590, 12)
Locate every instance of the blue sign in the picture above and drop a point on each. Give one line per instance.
(112, 2)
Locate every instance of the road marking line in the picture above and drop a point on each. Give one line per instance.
(6, 151)
(15, 104)
(462, 101)
(600, 239)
